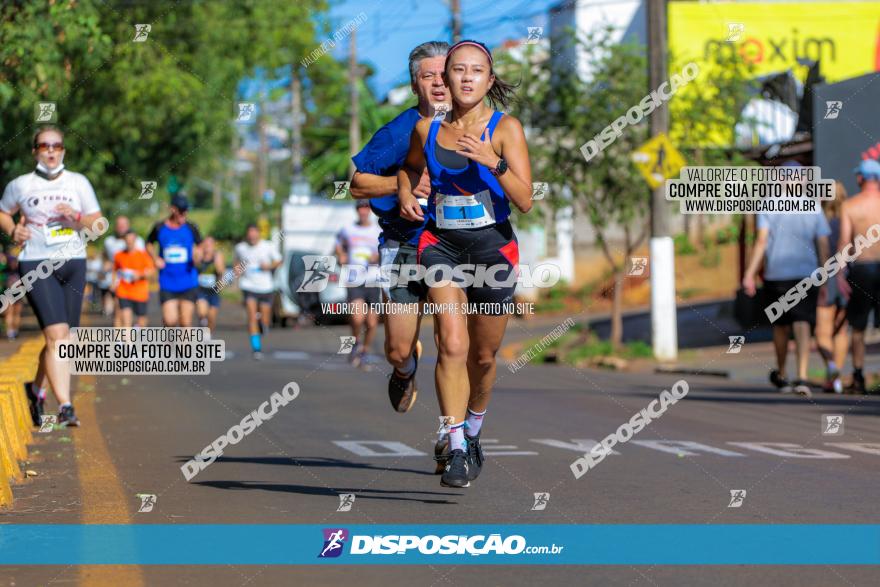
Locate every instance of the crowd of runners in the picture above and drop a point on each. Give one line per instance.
(440, 178)
(791, 248)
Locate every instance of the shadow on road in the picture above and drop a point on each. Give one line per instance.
(861, 404)
(310, 462)
(362, 493)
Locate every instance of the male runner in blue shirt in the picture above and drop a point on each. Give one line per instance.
(375, 178)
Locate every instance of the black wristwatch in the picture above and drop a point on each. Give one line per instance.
(500, 168)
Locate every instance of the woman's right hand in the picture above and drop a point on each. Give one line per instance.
(21, 233)
(410, 209)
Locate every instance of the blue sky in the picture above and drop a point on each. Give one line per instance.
(394, 27)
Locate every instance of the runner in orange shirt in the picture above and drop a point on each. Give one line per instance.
(132, 269)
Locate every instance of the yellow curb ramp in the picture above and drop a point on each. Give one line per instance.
(15, 420)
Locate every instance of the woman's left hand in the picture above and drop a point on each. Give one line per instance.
(479, 150)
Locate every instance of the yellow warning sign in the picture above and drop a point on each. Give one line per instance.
(658, 160)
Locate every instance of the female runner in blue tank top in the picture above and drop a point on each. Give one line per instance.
(478, 161)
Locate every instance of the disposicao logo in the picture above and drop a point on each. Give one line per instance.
(334, 541)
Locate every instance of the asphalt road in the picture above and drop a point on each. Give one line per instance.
(341, 436)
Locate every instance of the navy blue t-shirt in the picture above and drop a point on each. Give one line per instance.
(384, 155)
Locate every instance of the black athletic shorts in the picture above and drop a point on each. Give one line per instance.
(371, 295)
(187, 295)
(493, 250)
(393, 257)
(262, 298)
(57, 298)
(139, 308)
(804, 311)
(864, 279)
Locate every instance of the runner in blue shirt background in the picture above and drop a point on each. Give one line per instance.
(174, 246)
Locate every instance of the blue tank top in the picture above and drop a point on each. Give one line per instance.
(470, 197)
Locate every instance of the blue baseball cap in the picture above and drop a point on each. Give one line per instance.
(869, 169)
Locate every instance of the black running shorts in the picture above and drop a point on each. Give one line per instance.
(864, 279)
(139, 308)
(492, 250)
(57, 298)
(187, 295)
(804, 311)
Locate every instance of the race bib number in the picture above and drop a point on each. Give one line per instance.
(362, 257)
(454, 211)
(57, 234)
(175, 254)
(207, 280)
(127, 275)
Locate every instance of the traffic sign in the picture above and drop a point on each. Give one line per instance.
(658, 160)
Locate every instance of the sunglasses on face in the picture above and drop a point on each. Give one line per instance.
(43, 147)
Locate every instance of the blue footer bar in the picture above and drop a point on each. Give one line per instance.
(270, 544)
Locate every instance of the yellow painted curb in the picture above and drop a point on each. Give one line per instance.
(14, 436)
(21, 412)
(9, 469)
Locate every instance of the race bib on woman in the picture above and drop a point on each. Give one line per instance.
(456, 211)
(207, 280)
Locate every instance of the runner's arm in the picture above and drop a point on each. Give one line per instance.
(152, 240)
(846, 229)
(410, 173)
(822, 249)
(8, 224)
(197, 242)
(517, 182)
(845, 239)
(755, 261)
(367, 185)
(341, 253)
(220, 263)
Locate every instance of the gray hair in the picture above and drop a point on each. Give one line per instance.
(425, 50)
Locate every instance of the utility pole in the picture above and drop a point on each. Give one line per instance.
(262, 155)
(455, 6)
(354, 125)
(298, 183)
(664, 326)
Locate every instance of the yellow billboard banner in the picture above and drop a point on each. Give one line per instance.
(772, 36)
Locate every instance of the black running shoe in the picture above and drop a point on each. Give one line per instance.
(35, 403)
(441, 453)
(66, 417)
(402, 391)
(475, 456)
(858, 384)
(456, 474)
(780, 382)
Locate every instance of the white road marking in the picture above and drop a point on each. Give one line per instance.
(393, 448)
(579, 445)
(502, 450)
(871, 448)
(789, 450)
(491, 447)
(291, 355)
(679, 447)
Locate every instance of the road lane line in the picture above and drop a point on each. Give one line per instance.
(104, 500)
